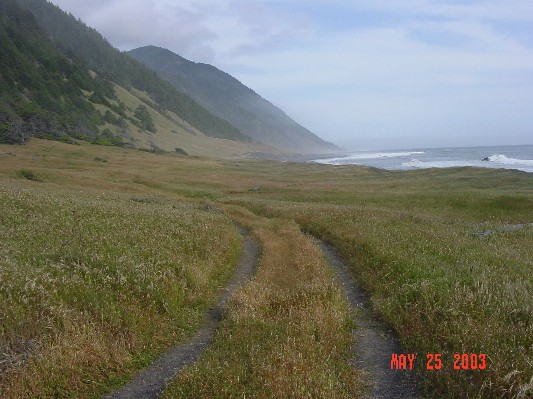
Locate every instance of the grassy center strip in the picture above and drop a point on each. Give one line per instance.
(287, 333)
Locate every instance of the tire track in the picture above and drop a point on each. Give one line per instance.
(150, 382)
(374, 343)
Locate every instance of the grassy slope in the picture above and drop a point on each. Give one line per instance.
(406, 235)
(173, 132)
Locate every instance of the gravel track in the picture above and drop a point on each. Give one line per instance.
(373, 342)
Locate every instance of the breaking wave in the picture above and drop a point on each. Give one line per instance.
(502, 159)
(494, 161)
(366, 155)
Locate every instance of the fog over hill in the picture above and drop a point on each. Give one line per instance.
(229, 99)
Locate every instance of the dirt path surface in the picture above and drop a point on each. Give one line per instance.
(374, 343)
(152, 380)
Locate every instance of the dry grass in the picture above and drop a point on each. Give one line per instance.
(287, 333)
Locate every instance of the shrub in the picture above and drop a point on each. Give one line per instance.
(29, 175)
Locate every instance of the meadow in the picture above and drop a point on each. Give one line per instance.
(108, 256)
(94, 283)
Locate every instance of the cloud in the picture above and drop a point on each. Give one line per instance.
(129, 24)
(383, 81)
(434, 69)
(200, 30)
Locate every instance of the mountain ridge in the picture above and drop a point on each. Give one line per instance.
(226, 97)
(41, 90)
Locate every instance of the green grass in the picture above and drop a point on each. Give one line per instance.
(444, 290)
(29, 175)
(407, 237)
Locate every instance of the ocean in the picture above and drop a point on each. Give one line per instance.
(504, 157)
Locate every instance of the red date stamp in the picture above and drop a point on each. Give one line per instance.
(434, 361)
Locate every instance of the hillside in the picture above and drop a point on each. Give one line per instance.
(229, 99)
(60, 79)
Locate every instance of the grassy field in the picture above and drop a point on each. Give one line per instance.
(95, 282)
(98, 242)
(408, 238)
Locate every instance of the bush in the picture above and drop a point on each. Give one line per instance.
(29, 175)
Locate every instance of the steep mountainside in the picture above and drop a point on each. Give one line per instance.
(229, 99)
(59, 77)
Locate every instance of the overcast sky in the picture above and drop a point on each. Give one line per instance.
(363, 74)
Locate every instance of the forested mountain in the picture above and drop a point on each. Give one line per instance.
(76, 38)
(226, 97)
(55, 70)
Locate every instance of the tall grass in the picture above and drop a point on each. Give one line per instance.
(94, 286)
